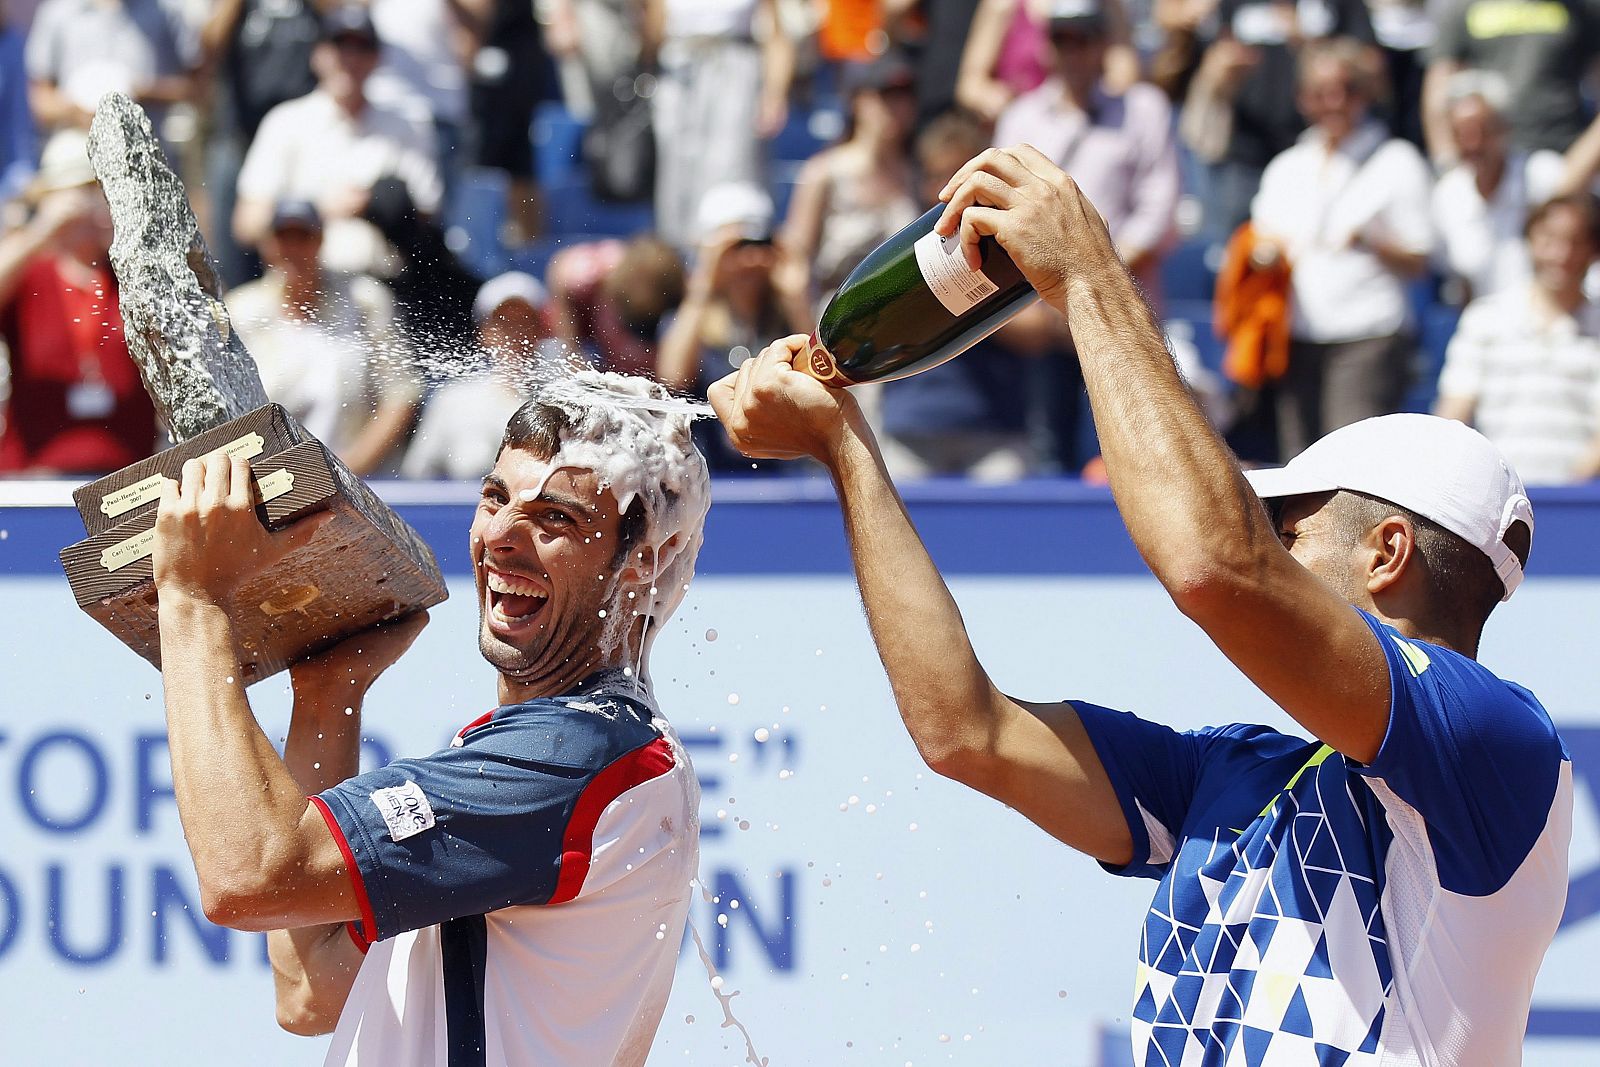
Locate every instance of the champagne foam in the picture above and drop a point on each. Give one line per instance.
(636, 439)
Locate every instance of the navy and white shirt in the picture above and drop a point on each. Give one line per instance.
(523, 891)
(1313, 910)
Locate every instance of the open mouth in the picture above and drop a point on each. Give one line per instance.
(514, 601)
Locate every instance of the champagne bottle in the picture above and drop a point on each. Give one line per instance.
(912, 304)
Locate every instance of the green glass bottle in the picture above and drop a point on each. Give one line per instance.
(912, 304)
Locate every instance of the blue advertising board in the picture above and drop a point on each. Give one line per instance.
(864, 910)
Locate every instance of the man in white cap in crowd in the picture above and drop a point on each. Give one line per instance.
(1380, 893)
(459, 434)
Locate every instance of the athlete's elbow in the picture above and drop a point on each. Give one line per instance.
(1206, 589)
(951, 752)
(225, 903)
(240, 903)
(300, 1014)
(944, 756)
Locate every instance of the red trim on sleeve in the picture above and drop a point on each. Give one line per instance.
(369, 925)
(577, 844)
(461, 734)
(360, 939)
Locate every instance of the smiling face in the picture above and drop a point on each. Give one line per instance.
(545, 553)
(1561, 247)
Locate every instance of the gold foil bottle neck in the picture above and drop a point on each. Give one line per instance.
(818, 362)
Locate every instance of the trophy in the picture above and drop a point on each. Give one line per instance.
(365, 566)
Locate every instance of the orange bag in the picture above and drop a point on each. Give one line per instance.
(1250, 310)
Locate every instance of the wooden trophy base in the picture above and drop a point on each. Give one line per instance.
(365, 566)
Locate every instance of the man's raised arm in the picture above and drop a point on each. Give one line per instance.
(1035, 758)
(313, 967)
(1179, 489)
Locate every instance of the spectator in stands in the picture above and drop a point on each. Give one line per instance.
(1405, 33)
(609, 299)
(719, 95)
(947, 25)
(258, 55)
(1348, 206)
(1524, 365)
(459, 435)
(635, 299)
(1186, 28)
(510, 75)
(599, 46)
(1481, 204)
(75, 404)
(969, 416)
(324, 344)
(852, 196)
(1240, 112)
(1117, 144)
(78, 50)
(731, 306)
(433, 288)
(428, 47)
(1009, 51)
(18, 146)
(1544, 51)
(332, 146)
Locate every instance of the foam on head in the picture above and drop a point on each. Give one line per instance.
(635, 438)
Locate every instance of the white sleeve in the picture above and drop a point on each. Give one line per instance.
(264, 174)
(1266, 207)
(1541, 174)
(418, 169)
(1407, 216)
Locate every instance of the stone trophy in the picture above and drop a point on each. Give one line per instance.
(365, 566)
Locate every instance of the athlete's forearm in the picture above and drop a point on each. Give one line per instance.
(946, 699)
(1177, 485)
(240, 807)
(314, 967)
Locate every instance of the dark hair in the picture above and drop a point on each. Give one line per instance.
(957, 129)
(1462, 583)
(648, 281)
(539, 428)
(1583, 202)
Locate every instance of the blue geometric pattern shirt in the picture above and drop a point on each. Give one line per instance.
(1312, 910)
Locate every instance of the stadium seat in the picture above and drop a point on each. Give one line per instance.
(1189, 271)
(557, 138)
(1437, 324)
(1191, 320)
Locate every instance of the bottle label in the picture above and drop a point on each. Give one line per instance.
(958, 287)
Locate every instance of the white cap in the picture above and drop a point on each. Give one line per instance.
(1441, 469)
(64, 163)
(512, 285)
(742, 204)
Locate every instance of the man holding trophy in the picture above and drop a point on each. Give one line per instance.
(414, 905)
(411, 908)
(1296, 874)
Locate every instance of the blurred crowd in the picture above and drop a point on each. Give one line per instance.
(423, 208)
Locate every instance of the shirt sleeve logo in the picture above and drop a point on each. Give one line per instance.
(404, 809)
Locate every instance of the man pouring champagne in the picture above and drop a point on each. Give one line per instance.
(1380, 892)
